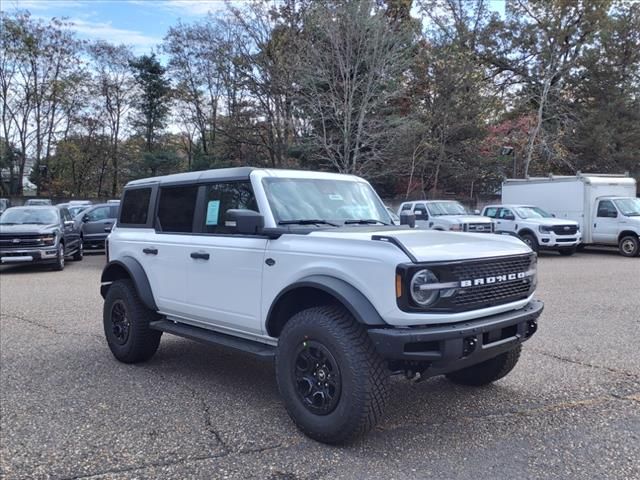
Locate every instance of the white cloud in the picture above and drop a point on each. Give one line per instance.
(34, 5)
(106, 31)
(189, 8)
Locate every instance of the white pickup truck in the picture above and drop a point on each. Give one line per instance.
(446, 215)
(605, 206)
(535, 227)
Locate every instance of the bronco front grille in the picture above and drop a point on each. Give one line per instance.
(492, 294)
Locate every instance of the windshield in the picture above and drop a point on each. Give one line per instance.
(328, 201)
(629, 207)
(446, 208)
(532, 212)
(32, 216)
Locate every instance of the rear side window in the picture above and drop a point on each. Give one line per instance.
(221, 197)
(176, 209)
(135, 206)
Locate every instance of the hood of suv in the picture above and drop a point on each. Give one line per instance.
(26, 229)
(431, 245)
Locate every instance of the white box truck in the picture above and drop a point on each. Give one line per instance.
(605, 206)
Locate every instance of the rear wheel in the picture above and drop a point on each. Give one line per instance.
(530, 240)
(488, 371)
(629, 246)
(567, 252)
(333, 382)
(79, 255)
(126, 324)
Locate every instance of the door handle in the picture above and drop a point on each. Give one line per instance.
(200, 255)
(150, 251)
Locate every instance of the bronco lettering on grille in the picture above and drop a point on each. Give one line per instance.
(490, 280)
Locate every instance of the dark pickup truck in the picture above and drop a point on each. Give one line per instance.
(39, 234)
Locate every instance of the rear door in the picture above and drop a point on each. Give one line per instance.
(605, 224)
(97, 225)
(224, 269)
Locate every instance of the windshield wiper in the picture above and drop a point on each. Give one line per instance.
(307, 221)
(365, 221)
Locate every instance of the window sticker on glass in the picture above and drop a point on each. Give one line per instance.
(335, 196)
(213, 209)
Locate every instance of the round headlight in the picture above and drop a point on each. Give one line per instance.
(420, 291)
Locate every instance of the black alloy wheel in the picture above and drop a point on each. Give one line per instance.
(120, 324)
(317, 378)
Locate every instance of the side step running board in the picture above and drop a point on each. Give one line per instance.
(214, 338)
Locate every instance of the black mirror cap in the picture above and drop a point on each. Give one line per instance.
(408, 218)
(247, 222)
(85, 218)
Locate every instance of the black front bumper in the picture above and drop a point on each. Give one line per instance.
(450, 347)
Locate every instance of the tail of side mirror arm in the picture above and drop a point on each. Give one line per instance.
(408, 218)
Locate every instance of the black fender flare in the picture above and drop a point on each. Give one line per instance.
(131, 268)
(349, 296)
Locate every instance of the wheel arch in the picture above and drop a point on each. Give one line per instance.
(628, 233)
(527, 231)
(317, 290)
(128, 268)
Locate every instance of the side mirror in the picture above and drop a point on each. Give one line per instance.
(85, 218)
(69, 223)
(553, 215)
(509, 217)
(476, 212)
(246, 222)
(408, 218)
(613, 214)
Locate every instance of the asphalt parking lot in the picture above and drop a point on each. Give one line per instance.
(570, 409)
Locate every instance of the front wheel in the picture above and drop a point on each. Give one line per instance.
(629, 246)
(488, 371)
(530, 240)
(79, 255)
(333, 382)
(59, 265)
(126, 324)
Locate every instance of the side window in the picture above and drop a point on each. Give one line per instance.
(221, 197)
(606, 209)
(420, 211)
(491, 212)
(65, 215)
(135, 206)
(113, 211)
(406, 206)
(100, 213)
(506, 214)
(176, 209)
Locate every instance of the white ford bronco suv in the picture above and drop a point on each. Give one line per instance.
(446, 215)
(306, 268)
(535, 227)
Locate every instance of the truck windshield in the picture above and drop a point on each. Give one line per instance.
(29, 216)
(310, 201)
(629, 207)
(532, 212)
(446, 208)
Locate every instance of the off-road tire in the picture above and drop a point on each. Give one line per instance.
(141, 341)
(488, 371)
(629, 246)
(567, 252)
(531, 241)
(59, 263)
(79, 255)
(364, 376)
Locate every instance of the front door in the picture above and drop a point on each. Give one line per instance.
(97, 224)
(224, 271)
(506, 220)
(605, 225)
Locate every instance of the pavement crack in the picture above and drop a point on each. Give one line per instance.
(49, 328)
(562, 358)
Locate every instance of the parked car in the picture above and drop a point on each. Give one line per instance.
(446, 215)
(39, 234)
(75, 210)
(605, 206)
(4, 204)
(37, 201)
(535, 227)
(306, 269)
(96, 222)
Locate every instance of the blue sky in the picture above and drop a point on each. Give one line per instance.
(139, 23)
